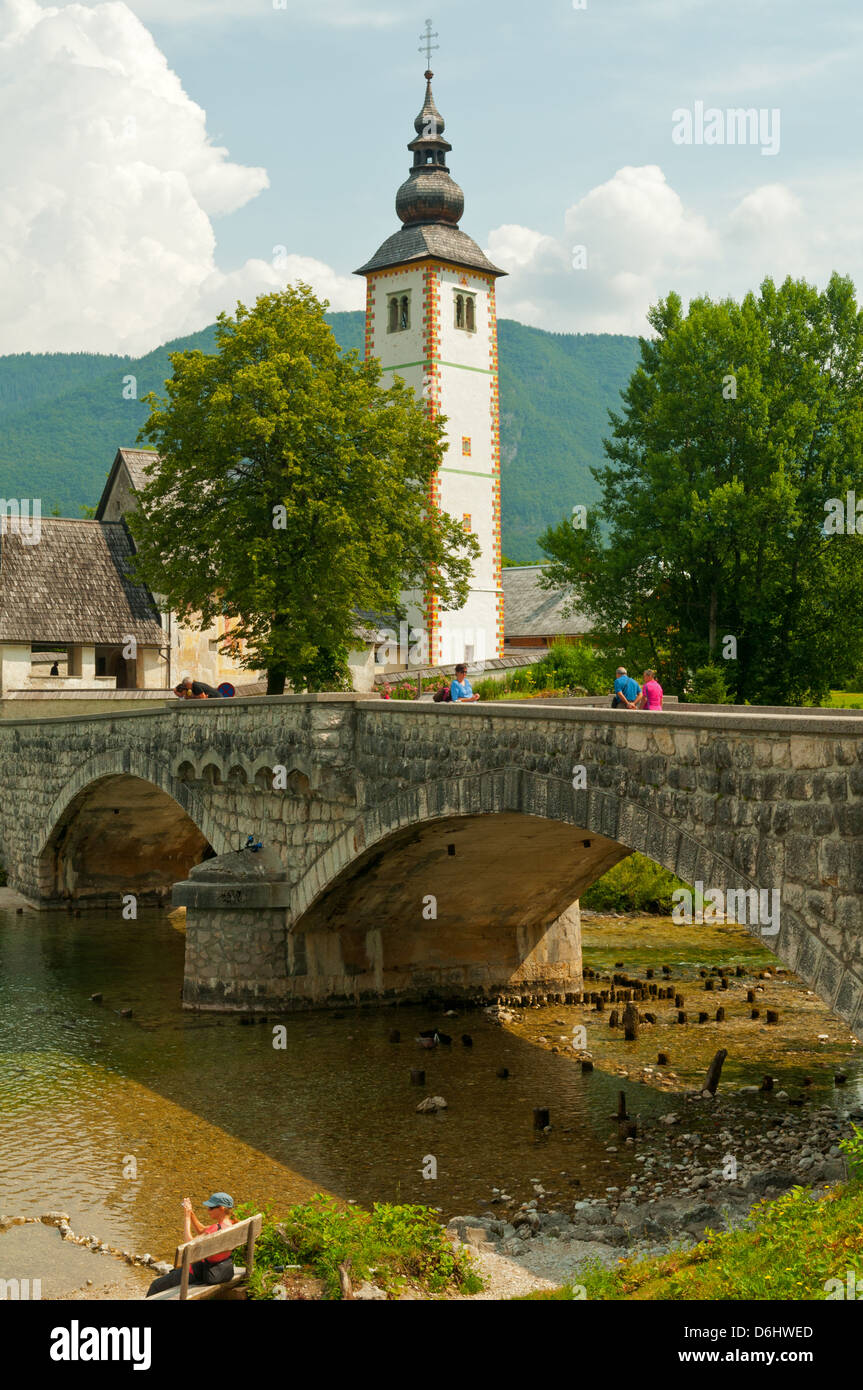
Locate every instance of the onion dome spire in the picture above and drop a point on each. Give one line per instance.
(429, 195)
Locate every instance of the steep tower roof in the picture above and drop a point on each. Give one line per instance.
(429, 204)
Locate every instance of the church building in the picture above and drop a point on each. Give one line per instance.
(431, 319)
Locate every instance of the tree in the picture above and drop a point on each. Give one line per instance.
(292, 491)
(741, 427)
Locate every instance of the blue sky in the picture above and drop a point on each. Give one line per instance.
(560, 119)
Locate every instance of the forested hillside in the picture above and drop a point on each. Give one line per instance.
(63, 415)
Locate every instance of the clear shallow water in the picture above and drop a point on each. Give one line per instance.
(201, 1103)
(194, 1103)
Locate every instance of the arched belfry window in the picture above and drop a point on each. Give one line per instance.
(465, 312)
(398, 313)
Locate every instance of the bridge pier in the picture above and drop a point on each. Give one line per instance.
(244, 954)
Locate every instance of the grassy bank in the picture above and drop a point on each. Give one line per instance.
(789, 1250)
(795, 1247)
(393, 1247)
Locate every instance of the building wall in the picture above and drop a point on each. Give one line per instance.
(121, 499)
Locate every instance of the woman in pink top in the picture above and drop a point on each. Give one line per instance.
(651, 692)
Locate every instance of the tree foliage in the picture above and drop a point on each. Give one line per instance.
(292, 493)
(739, 424)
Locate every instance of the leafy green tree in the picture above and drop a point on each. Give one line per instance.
(292, 492)
(739, 425)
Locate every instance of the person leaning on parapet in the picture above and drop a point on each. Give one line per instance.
(213, 1269)
(189, 689)
(626, 690)
(461, 690)
(651, 692)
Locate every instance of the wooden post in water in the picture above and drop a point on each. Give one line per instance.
(630, 1023)
(715, 1071)
(540, 1118)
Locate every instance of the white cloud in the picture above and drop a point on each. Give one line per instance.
(109, 184)
(641, 241)
(328, 13)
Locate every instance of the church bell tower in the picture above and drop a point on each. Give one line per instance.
(431, 319)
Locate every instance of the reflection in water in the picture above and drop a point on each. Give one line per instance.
(201, 1102)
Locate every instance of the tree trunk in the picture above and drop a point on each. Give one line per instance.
(276, 677)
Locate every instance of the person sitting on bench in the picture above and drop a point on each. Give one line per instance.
(189, 689)
(215, 1269)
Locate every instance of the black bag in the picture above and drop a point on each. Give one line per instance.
(443, 696)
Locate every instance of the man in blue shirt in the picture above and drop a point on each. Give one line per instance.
(461, 688)
(626, 690)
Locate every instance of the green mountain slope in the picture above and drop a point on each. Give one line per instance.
(63, 415)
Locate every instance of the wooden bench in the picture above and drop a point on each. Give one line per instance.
(201, 1246)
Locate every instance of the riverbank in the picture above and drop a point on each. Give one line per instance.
(804, 1246)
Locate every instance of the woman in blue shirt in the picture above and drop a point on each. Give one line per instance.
(461, 689)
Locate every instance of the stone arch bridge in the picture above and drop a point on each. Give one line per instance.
(420, 849)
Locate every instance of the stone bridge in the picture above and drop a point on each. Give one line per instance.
(420, 849)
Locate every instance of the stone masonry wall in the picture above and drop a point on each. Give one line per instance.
(733, 800)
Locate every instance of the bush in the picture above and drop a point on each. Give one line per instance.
(636, 884)
(392, 1244)
(709, 687)
(575, 664)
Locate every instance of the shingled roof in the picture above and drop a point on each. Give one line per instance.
(72, 586)
(529, 611)
(430, 242)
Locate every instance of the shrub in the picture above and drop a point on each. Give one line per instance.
(393, 1244)
(709, 687)
(571, 664)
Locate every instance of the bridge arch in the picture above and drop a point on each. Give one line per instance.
(122, 823)
(504, 856)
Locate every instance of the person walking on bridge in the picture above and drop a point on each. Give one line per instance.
(651, 692)
(626, 690)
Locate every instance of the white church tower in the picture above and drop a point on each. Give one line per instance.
(431, 319)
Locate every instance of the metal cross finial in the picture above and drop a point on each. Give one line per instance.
(427, 46)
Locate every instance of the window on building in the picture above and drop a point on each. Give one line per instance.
(465, 312)
(465, 444)
(398, 313)
(465, 521)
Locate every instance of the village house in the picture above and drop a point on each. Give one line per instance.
(533, 616)
(73, 626)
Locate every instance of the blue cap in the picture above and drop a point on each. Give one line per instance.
(219, 1199)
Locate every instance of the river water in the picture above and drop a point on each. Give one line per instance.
(113, 1120)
